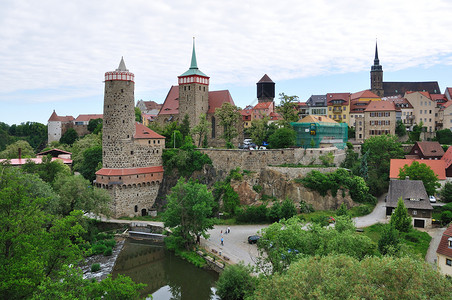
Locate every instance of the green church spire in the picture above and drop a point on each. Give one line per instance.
(194, 65)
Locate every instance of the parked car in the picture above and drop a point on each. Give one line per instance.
(252, 239)
(432, 199)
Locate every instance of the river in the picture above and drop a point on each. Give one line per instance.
(166, 276)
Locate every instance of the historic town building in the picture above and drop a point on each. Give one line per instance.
(132, 153)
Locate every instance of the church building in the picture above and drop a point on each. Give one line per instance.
(192, 97)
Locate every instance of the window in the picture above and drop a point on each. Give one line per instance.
(450, 243)
(414, 212)
(448, 262)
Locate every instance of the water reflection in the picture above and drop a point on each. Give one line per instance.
(166, 276)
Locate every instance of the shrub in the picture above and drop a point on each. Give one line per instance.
(95, 267)
(108, 252)
(236, 282)
(288, 209)
(98, 248)
(253, 214)
(446, 217)
(257, 188)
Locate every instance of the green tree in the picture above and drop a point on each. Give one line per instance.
(342, 210)
(259, 130)
(446, 192)
(381, 150)
(415, 134)
(343, 277)
(351, 132)
(400, 218)
(444, 136)
(80, 146)
(288, 109)
(69, 137)
(400, 129)
(389, 242)
(138, 116)
(188, 210)
(201, 130)
(93, 124)
(231, 199)
(185, 126)
(76, 193)
(12, 151)
(282, 138)
(417, 171)
(177, 139)
(48, 170)
(228, 116)
(236, 282)
(92, 162)
(288, 209)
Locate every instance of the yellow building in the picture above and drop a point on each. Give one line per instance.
(338, 105)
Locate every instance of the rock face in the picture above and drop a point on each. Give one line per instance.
(272, 181)
(277, 184)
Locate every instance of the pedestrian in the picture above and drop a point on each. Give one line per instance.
(222, 241)
(221, 232)
(229, 229)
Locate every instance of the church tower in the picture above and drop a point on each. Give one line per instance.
(376, 76)
(265, 89)
(193, 92)
(119, 118)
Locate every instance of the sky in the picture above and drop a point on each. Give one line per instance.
(54, 54)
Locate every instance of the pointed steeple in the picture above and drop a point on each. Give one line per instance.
(193, 65)
(376, 60)
(122, 66)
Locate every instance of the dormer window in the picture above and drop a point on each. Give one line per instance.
(449, 242)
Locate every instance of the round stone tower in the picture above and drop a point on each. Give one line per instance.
(119, 118)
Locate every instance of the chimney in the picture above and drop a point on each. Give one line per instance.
(20, 153)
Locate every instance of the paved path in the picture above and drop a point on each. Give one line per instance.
(378, 215)
(436, 234)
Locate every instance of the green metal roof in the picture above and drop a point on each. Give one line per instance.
(194, 66)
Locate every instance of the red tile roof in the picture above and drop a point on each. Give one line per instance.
(426, 94)
(84, 118)
(217, 98)
(447, 157)
(265, 78)
(55, 118)
(54, 151)
(438, 166)
(357, 106)
(363, 94)
(338, 96)
(36, 160)
(430, 149)
(445, 105)
(142, 132)
(171, 104)
(275, 116)
(380, 106)
(437, 97)
(443, 247)
(131, 171)
(263, 105)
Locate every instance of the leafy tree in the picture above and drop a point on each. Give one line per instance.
(80, 146)
(177, 139)
(69, 137)
(201, 130)
(34, 133)
(288, 209)
(389, 242)
(446, 217)
(5, 137)
(48, 170)
(444, 136)
(76, 193)
(93, 124)
(342, 210)
(446, 192)
(344, 223)
(400, 129)
(92, 162)
(415, 134)
(351, 160)
(138, 116)
(231, 199)
(228, 116)
(185, 126)
(236, 282)
(188, 210)
(288, 109)
(282, 138)
(344, 277)
(12, 151)
(259, 130)
(400, 218)
(417, 171)
(381, 150)
(351, 132)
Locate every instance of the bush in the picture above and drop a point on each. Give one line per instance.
(98, 248)
(288, 209)
(108, 252)
(446, 217)
(253, 214)
(236, 282)
(257, 188)
(95, 267)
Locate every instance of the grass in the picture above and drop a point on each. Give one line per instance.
(316, 214)
(192, 257)
(415, 242)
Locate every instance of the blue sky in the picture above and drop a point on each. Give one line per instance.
(53, 54)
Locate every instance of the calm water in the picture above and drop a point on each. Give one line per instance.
(166, 276)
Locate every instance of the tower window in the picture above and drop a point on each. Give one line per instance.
(199, 88)
(204, 89)
(122, 90)
(188, 87)
(131, 152)
(185, 88)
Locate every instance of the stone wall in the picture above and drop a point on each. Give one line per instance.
(130, 201)
(256, 160)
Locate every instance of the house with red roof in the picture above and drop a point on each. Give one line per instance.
(379, 118)
(427, 150)
(444, 253)
(438, 167)
(338, 106)
(447, 158)
(424, 110)
(58, 125)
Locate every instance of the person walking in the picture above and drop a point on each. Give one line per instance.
(222, 244)
(229, 229)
